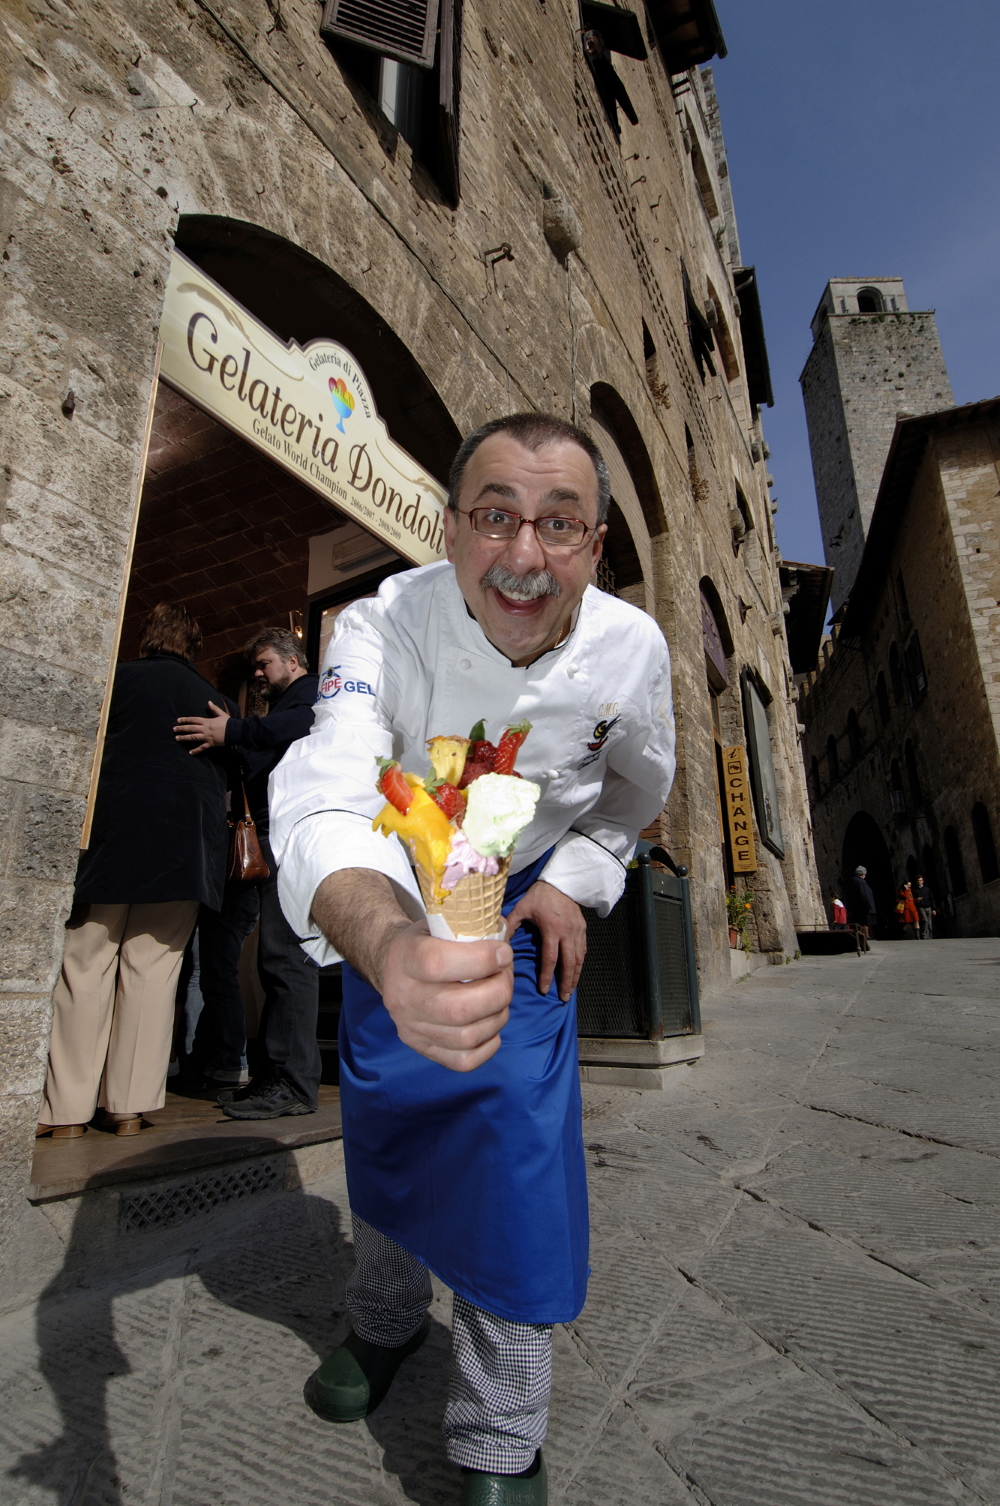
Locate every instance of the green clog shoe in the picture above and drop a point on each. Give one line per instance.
(505, 1490)
(356, 1377)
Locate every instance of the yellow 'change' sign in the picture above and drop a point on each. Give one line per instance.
(736, 798)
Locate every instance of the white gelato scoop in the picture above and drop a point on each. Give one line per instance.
(499, 808)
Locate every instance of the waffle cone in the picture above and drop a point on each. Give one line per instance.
(472, 909)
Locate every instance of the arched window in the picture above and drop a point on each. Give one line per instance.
(854, 739)
(910, 759)
(953, 857)
(817, 787)
(896, 794)
(982, 830)
(882, 697)
(896, 675)
(832, 759)
(870, 301)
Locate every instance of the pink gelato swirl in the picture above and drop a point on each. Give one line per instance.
(462, 859)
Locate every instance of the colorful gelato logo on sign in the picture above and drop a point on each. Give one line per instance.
(343, 400)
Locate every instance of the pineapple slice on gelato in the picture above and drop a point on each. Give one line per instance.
(447, 756)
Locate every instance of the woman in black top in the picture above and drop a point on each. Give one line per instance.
(157, 851)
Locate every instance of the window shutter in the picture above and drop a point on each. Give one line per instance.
(402, 29)
(450, 85)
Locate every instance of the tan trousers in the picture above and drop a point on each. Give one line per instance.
(113, 1009)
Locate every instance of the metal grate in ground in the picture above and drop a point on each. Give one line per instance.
(161, 1206)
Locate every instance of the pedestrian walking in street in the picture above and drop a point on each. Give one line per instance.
(839, 912)
(157, 851)
(287, 1079)
(926, 906)
(906, 912)
(861, 905)
(459, 1080)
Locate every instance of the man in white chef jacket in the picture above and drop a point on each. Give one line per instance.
(459, 1081)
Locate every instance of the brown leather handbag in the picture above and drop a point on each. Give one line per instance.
(246, 861)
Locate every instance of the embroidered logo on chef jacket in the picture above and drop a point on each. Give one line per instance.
(600, 735)
(331, 685)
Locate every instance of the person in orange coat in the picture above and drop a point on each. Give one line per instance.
(907, 913)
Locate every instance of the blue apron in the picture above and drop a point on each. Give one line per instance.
(480, 1175)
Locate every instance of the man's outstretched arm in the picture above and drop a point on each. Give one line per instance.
(448, 999)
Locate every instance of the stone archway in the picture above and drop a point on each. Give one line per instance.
(865, 846)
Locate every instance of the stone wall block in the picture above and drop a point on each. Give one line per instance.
(50, 833)
(53, 615)
(18, 1118)
(39, 444)
(44, 756)
(24, 170)
(32, 918)
(33, 349)
(51, 695)
(24, 1044)
(38, 522)
(42, 125)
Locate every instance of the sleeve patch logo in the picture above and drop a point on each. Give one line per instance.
(331, 685)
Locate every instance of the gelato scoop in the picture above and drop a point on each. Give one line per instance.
(462, 859)
(499, 808)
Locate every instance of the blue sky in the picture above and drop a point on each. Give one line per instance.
(862, 142)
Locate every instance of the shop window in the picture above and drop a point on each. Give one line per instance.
(882, 697)
(910, 759)
(904, 605)
(702, 176)
(870, 301)
(699, 329)
(762, 775)
(407, 57)
(896, 675)
(654, 376)
(741, 521)
(855, 741)
(953, 857)
(723, 339)
(982, 830)
(597, 49)
(699, 486)
(916, 675)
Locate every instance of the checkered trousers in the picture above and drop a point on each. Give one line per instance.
(498, 1395)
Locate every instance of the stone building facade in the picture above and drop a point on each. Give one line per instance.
(484, 234)
(902, 716)
(872, 358)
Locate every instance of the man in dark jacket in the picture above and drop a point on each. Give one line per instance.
(926, 904)
(861, 903)
(287, 1082)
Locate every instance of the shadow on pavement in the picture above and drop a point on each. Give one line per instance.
(169, 1389)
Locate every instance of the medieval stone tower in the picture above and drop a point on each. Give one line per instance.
(872, 358)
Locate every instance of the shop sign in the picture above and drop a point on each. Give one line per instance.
(737, 803)
(308, 407)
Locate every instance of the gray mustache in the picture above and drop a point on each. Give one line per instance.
(539, 583)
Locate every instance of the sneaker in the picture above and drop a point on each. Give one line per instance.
(267, 1099)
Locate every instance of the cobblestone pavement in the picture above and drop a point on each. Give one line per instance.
(795, 1291)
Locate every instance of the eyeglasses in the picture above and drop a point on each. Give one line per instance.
(551, 533)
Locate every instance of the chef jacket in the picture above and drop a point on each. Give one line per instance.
(412, 663)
